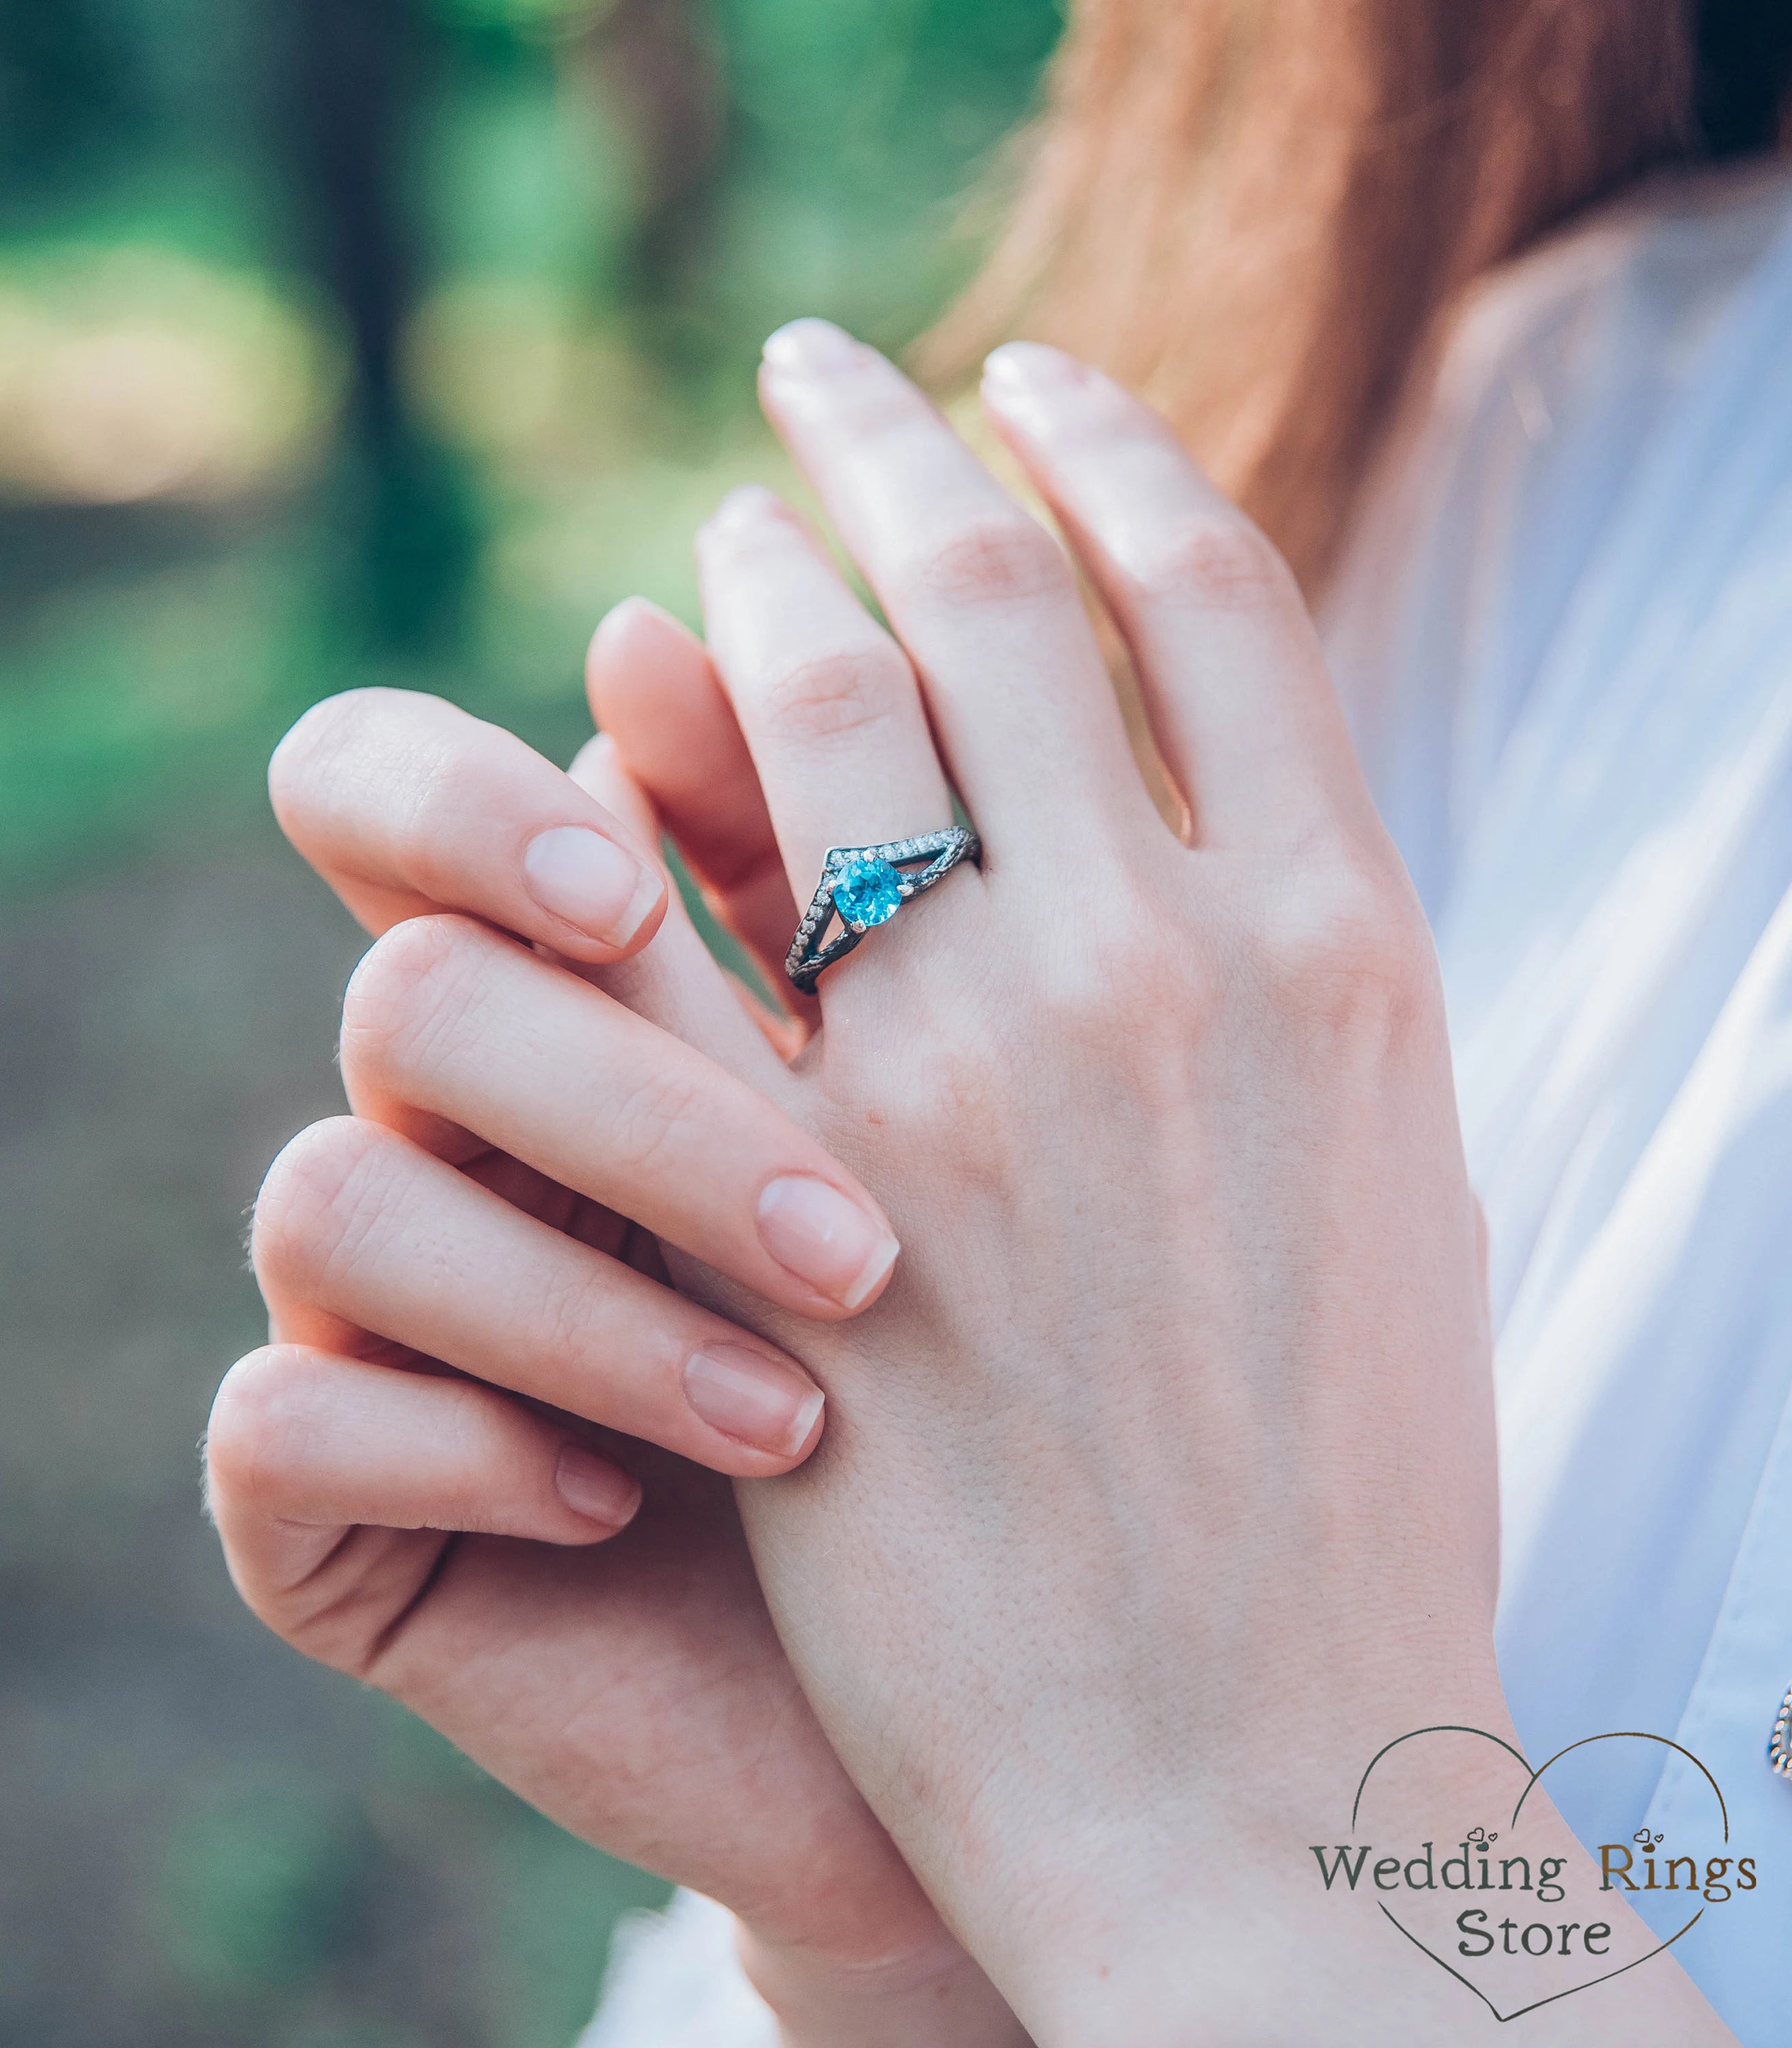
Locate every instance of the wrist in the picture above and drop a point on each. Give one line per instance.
(1266, 1940)
(933, 1993)
(1215, 1923)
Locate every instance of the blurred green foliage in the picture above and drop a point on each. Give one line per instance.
(275, 1892)
(265, 1887)
(485, 282)
(394, 341)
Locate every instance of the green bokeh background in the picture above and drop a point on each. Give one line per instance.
(352, 341)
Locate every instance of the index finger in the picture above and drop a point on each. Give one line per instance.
(655, 693)
(407, 805)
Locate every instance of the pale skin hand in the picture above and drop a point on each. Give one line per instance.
(1178, 1413)
(477, 1377)
(1178, 1401)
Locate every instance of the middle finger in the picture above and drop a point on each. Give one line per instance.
(983, 598)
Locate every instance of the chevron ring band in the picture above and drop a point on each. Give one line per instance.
(864, 885)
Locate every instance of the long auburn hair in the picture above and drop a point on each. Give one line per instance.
(1257, 210)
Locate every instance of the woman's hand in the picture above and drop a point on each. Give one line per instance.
(1159, 1490)
(478, 1377)
(1188, 1344)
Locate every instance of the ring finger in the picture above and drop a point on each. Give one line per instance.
(827, 704)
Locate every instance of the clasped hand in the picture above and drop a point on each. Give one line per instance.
(1067, 1551)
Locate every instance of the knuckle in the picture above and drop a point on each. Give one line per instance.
(651, 1119)
(1217, 560)
(449, 783)
(954, 1107)
(1001, 559)
(571, 1316)
(841, 691)
(307, 1209)
(1120, 990)
(404, 988)
(1084, 987)
(1347, 941)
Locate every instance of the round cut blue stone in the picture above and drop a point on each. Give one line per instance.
(869, 893)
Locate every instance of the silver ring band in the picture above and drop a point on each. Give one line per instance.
(865, 886)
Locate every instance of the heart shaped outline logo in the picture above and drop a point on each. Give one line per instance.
(1532, 1777)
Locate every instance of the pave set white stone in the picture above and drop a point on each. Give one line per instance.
(863, 886)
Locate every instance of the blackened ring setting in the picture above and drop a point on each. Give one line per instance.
(1779, 1742)
(863, 886)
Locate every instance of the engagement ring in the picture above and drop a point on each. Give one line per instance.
(863, 886)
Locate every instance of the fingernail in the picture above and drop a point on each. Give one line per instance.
(752, 1398)
(812, 348)
(622, 619)
(745, 503)
(825, 1238)
(1021, 374)
(593, 1486)
(591, 883)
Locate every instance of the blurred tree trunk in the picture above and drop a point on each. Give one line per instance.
(656, 66)
(356, 72)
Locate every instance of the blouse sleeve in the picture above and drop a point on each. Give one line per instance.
(1479, 532)
(675, 1981)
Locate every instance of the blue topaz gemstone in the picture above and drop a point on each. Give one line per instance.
(865, 886)
(869, 893)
